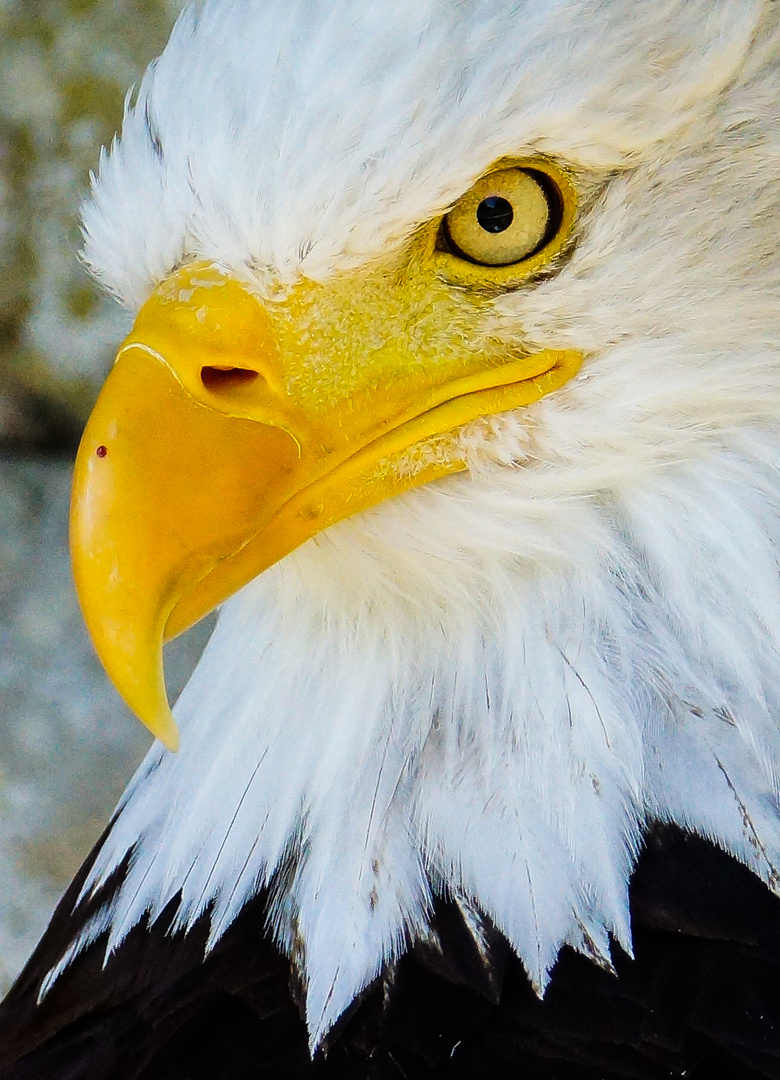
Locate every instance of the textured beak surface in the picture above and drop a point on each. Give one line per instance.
(200, 466)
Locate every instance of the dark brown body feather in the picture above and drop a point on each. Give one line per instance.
(701, 1000)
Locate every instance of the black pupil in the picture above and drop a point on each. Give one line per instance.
(495, 214)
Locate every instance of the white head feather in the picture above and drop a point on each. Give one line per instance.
(488, 685)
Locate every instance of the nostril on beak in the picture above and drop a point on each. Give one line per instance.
(220, 379)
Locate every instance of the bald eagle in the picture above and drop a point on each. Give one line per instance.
(454, 380)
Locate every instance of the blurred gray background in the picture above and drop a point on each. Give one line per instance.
(67, 744)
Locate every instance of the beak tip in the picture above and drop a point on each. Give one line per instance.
(164, 728)
(154, 712)
(171, 743)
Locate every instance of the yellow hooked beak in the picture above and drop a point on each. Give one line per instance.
(204, 462)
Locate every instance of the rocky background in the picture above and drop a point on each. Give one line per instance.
(67, 744)
(65, 67)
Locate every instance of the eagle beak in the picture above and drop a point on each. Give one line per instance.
(200, 467)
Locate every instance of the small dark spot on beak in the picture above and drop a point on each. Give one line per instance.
(101, 451)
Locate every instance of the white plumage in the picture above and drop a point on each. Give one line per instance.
(488, 685)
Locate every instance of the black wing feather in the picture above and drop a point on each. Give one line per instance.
(701, 1000)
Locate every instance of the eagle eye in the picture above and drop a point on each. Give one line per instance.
(505, 218)
(508, 225)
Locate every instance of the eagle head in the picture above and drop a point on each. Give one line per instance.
(454, 381)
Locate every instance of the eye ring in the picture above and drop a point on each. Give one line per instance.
(560, 195)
